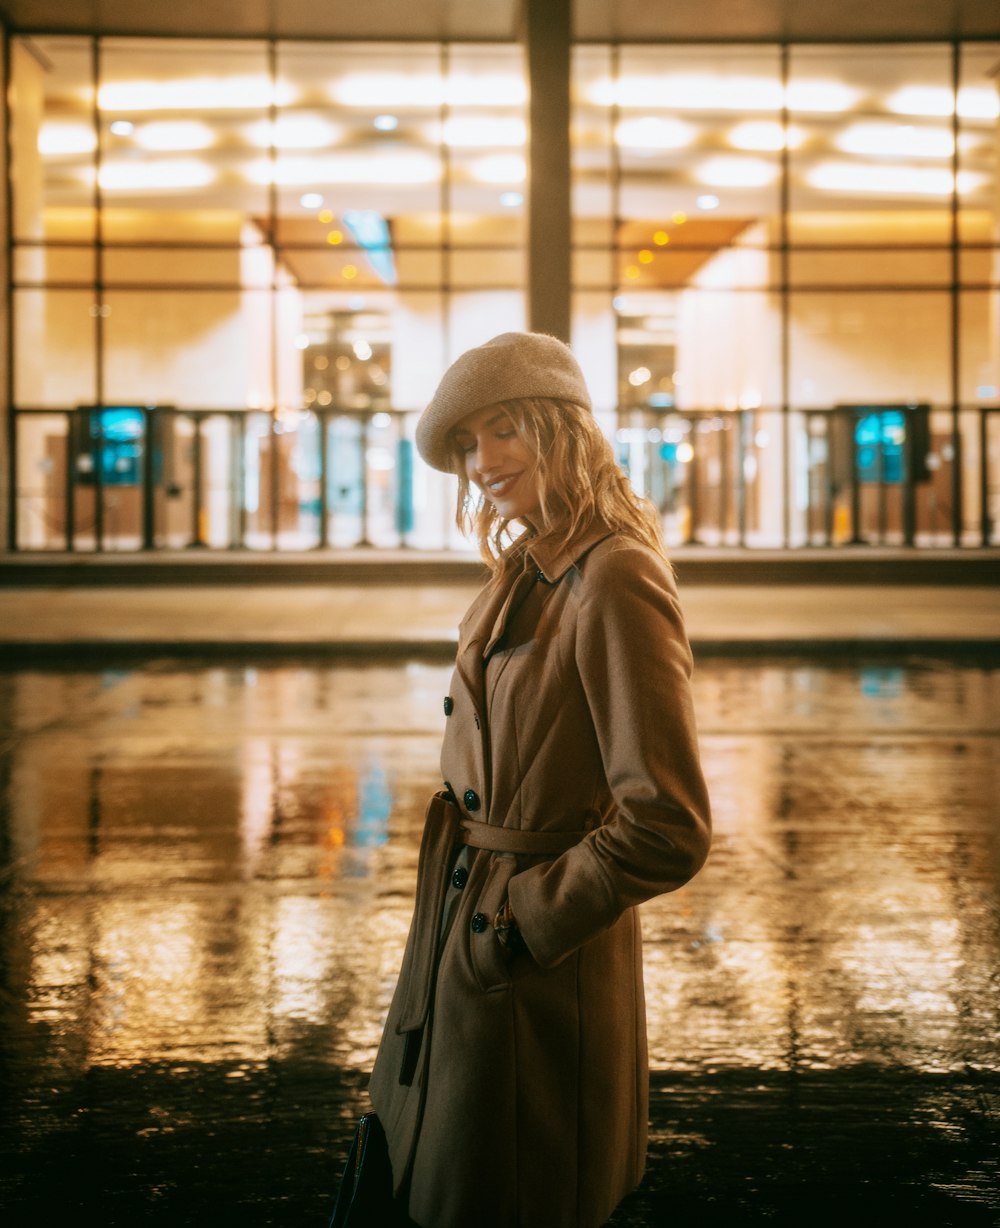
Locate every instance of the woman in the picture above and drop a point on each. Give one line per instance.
(512, 1078)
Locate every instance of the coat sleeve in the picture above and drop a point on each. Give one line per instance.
(634, 663)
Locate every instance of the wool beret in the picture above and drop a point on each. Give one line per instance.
(508, 368)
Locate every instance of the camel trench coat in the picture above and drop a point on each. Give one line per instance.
(514, 1087)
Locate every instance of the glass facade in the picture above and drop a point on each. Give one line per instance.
(239, 269)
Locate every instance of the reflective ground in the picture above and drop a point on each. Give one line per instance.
(206, 880)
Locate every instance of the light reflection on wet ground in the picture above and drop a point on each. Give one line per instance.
(207, 877)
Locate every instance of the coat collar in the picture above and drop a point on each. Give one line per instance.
(553, 561)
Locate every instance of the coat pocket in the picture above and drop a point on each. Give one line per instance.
(490, 959)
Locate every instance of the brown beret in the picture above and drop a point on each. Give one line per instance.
(508, 368)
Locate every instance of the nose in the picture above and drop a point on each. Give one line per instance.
(485, 456)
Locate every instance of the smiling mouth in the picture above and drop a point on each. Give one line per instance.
(501, 486)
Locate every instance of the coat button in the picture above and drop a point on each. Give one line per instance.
(479, 922)
(449, 705)
(460, 877)
(471, 799)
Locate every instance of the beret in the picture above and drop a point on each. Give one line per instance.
(508, 368)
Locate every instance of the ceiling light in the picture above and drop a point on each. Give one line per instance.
(167, 136)
(896, 141)
(177, 173)
(195, 94)
(122, 127)
(385, 123)
(765, 136)
(690, 92)
(707, 201)
(653, 133)
(293, 132)
(378, 89)
(499, 168)
(398, 169)
(58, 140)
(735, 172)
(974, 102)
(473, 131)
(821, 96)
(511, 200)
(891, 180)
(310, 200)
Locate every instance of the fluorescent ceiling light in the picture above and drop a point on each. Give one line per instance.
(178, 173)
(293, 132)
(499, 168)
(690, 92)
(194, 94)
(170, 135)
(826, 97)
(735, 172)
(650, 132)
(890, 180)
(974, 101)
(384, 89)
(471, 131)
(765, 136)
(378, 168)
(57, 140)
(896, 141)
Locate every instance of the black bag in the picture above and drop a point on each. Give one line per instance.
(364, 1199)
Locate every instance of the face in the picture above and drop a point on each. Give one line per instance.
(499, 462)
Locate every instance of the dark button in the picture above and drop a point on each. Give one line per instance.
(479, 922)
(449, 705)
(471, 799)
(460, 877)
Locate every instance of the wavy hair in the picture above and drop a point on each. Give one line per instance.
(579, 483)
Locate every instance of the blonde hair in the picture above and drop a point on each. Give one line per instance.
(579, 483)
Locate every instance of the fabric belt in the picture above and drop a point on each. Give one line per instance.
(512, 840)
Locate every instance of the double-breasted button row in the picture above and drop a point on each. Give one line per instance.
(460, 878)
(471, 799)
(479, 922)
(449, 705)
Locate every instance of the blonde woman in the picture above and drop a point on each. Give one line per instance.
(512, 1078)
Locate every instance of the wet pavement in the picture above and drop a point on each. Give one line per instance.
(206, 874)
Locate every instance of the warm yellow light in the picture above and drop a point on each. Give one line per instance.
(645, 256)
(896, 141)
(689, 92)
(974, 101)
(195, 94)
(824, 97)
(632, 271)
(650, 132)
(167, 136)
(499, 168)
(293, 132)
(379, 167)
(891, 180)
(483, 132)
(639, 376)
(349, 271)
(177, 173)
(765, 136)
(661, 238)
(325, 217)
(334, 238)
(396, 90)
(685, 453)
(679, 219)
(734, 172)
(58, 140)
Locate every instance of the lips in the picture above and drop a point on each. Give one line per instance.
(501, 487)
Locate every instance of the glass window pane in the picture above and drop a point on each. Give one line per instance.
(869, 348)
(195, 349)
(151, 266)
(180, 137)
(978, 123)
(869, 266)
(53, 143)
(39, 265)
(54, 348)
(41, 481)
(979, 348)
(870, 145)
